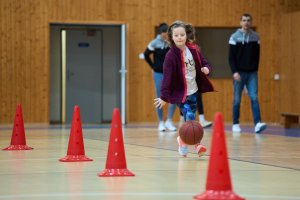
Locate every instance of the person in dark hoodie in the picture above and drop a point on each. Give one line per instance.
(244, 50)
(185, 76)
(159, 47)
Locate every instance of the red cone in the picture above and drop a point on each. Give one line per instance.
(76, 146)
(116, 161)
(18, 140)
(218, 183)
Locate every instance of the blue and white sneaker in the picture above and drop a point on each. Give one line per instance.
(182, 149)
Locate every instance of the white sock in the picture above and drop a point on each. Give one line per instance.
(201, 118)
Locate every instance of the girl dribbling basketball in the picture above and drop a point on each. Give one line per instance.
(185, 75)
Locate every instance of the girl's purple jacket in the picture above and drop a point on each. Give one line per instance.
(174, 88)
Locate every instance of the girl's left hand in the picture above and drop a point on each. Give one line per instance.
(159, 103)
(205, 70)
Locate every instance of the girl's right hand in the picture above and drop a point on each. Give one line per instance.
(205, 70)
(159, 103)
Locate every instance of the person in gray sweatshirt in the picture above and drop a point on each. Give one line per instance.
(244, 50)
(159, 47)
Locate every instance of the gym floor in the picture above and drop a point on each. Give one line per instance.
(262, 166)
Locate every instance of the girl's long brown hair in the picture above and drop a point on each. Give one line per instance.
(189, 29)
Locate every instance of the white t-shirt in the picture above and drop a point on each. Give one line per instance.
(190, 72)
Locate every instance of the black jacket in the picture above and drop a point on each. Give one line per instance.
(244, 50)
(159, 49)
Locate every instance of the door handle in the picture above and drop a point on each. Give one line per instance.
(69, 74)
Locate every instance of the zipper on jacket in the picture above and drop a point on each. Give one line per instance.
(183, 72)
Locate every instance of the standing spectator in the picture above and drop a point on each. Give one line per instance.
(244, 50)
(159, 47)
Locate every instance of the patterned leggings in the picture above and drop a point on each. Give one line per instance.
(188, 108)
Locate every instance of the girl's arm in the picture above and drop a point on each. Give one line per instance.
(205, 63)
(205, 66)
(159, 103)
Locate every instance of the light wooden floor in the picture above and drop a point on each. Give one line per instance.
(265, 166)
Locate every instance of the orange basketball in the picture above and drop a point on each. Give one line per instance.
(191, 132)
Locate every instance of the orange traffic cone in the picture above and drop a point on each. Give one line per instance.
(76, 147)
(116, 161)
(18, 140)
(218, 183)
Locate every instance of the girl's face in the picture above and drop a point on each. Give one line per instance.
(179, 36)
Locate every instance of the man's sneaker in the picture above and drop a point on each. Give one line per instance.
(169, 125)
(205, 124)
(259, 127)
(200, 149)
(161, 126)
(236, 128)
(182, 149)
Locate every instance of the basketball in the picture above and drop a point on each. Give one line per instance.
(191, 132)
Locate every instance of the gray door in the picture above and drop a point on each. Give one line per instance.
(88, 68)
(83, 74)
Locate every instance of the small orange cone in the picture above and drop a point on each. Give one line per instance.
(218, 183)
(116, 161)
(76, 146)
(18, 140)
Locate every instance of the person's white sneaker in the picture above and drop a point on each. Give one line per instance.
(169, 125)
(236, 128)
(182, 149)
(259, 127)
(161, 126)
(205, 124)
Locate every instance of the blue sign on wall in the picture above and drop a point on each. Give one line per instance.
(83, 44)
